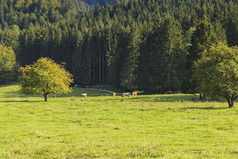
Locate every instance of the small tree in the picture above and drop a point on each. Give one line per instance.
(45, 77)
(217, 72)
(7, 64)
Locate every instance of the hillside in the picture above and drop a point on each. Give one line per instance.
(139, 45)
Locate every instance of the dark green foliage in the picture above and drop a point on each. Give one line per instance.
(138, 44)
(101, 2)
(129, 69)
(204, 36)
(23, 13)
(162, 59)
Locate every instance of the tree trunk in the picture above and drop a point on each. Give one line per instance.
(99, 69)
(46, 96)
(103, 71)
(202, 97)
(231, 102)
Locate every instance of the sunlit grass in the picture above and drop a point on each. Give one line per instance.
(102, 126)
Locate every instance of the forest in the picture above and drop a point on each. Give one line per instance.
(148, 45)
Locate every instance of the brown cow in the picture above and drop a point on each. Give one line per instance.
(134, 93)
(125, 94)
(84, 95)
(168, 92)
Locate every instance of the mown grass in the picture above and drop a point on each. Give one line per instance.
(102, 126)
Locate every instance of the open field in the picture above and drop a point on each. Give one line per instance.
(102, 126)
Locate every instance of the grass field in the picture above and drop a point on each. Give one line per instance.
(102, 126)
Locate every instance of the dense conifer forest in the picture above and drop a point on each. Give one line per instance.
(147, 45)
(95, 2)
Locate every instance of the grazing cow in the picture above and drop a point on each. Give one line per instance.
(168, 92)
(134, 93)
(113, 94)
(84, 95)
(125, 94)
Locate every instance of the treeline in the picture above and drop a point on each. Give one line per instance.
(93, 3)
(139, 45)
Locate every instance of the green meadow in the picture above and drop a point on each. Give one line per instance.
(103, 126)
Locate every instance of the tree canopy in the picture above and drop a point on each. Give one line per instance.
(7, 64)
(217, 72)
(45, 77)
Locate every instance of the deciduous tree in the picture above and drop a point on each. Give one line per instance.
(45, 77)
(217, 72)
(7, 64)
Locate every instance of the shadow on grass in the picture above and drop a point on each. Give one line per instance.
(18, 101)
(205, 108)
(168, 98)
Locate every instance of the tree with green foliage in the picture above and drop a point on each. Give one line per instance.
(7, 64)
(45, 77)
(128, 74)
(203, 37)
(217, 72)
(161, 62)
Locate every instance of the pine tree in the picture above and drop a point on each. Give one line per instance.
(203, 38)
(129, 72)
(161, 60)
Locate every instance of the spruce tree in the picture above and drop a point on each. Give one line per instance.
(202, 39)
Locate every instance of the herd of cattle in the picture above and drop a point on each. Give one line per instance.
(114, 94)
(126, 94)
